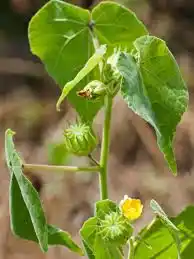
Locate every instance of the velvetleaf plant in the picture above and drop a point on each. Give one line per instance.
(93, 56)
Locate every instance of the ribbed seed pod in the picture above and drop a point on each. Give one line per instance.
(80, 139)
(115, 228)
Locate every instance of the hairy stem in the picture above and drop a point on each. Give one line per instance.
(105, 148)
(59, 169)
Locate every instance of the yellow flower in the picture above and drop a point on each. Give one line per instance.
(131, 208)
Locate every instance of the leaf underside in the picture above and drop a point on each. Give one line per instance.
(154, 89)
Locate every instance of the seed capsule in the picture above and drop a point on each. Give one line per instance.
(80, 139)
(116, 228)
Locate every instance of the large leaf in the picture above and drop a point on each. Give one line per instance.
(88, 232)
(57, 236)
(18, 219)
(27, 216)
(184, 222)
(168, 223)
(162, 215)
(26, 212)
(60, 34)
(116, 25)
(157, 241)
(154, 89)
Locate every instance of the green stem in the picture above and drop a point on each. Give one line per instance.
(93, 160)
(131, 249)
(105, 148)
(140, 237)
(106, 130)
(96, 45)
(58, 169)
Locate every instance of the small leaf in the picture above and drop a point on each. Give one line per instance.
(27, 216)
(58, 237)
(105, 250)
(88, 251)
(96, 244)
(88, 232)
(105, 207)
(114, 227)
(116, 25)
(154, 89)
(89, 66)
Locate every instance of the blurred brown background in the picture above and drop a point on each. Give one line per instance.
(27, 105)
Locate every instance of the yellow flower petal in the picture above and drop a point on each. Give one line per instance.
(131, 208)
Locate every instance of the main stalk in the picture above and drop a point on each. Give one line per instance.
(105, 148)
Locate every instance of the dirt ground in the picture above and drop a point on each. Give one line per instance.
(136, 167)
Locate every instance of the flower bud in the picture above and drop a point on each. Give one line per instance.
(93, 90)
(115, 228)
(111, 75)
(80, 139)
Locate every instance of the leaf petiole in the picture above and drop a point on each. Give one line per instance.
(58, 169)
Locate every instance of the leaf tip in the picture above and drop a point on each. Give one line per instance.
(173, 167)
(58, 108)
(44, 248)
(10, 132)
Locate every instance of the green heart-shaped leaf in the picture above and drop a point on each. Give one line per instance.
(116, 25)
(62, 36)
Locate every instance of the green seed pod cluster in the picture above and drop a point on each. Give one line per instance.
(80, 139)
(115, 228)
(94, 90)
